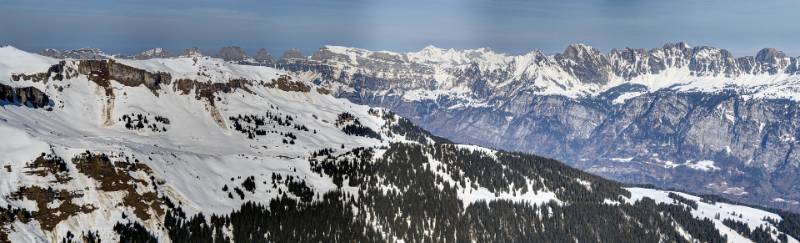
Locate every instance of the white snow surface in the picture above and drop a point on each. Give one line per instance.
(196, 156)
(752, 216)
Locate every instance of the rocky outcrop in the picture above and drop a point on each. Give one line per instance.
(585, 63)
(55, 72)
(103, 71)
(285, 83)
(24, 96)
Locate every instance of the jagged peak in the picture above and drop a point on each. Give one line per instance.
(769, 55)
(192, 52)
(580, 46)
(710, 52)
(579, 50)
(292, 54)
(262, 55)
(627, 51)
(232, 53)
(81, 53)
(343, 49)
(677, 45)
(431, 48)
(157, 52)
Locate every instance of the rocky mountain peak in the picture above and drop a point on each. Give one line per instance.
(586, 63)
(50, 52)
(769, 55)
(293, 54)
(580, 52)
(192, 52)
(678, 45)
(157, 52)
(431, 49)
(262, 56)
(82, 53)
(232, 53)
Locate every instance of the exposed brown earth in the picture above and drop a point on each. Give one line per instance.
(45, 165)
(285, 83)
(49, 217)
(184, 85)
(117, 177)
(208, 90)
(324, 91)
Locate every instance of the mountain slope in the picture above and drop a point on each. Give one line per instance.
(199, 149)
(695, 118)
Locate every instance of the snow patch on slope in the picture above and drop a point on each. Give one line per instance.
(751, 216)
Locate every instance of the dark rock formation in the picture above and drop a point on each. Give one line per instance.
(55, 72)
(24, 96)
(102, 71)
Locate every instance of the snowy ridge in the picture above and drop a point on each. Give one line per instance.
(580, 71)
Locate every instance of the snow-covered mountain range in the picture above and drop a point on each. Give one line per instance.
(196, 148)
(696, 118)
(580, 71)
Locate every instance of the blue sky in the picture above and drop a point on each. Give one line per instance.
(513, 26)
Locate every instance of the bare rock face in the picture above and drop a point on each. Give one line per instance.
(232, 54)
(585, 63)
(103, 71)
(23, 96)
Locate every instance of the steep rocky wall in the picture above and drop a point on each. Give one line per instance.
(102, 71)
(26, 96)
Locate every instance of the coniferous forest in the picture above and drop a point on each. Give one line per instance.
(401, 196)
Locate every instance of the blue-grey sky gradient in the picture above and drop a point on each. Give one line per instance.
(512, 26)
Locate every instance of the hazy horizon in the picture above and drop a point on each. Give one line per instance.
(509, 26)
